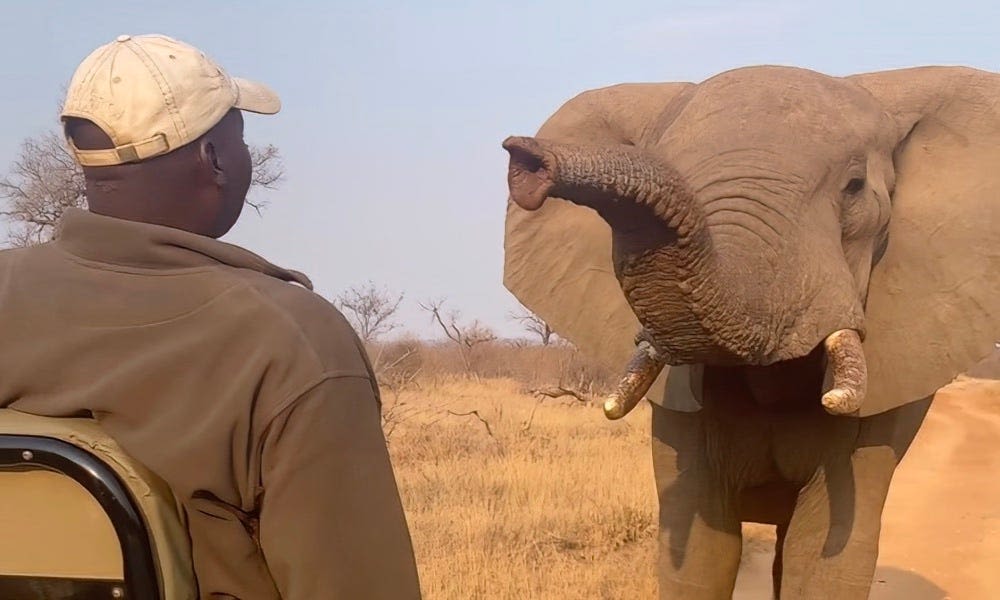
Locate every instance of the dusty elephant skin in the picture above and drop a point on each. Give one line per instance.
(814, 256)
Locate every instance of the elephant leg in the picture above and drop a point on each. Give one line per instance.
(777, 567)
(771, 503)
(831, 545)
(700, 539)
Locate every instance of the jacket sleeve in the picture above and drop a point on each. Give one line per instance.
(331, 521)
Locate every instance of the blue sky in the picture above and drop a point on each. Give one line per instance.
(394, 111)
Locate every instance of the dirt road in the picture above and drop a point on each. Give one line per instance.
(941, 525)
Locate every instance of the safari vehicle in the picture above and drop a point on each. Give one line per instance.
(81, 520)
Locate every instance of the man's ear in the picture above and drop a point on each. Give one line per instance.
(210, 159)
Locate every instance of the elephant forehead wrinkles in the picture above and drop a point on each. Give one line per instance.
(762, 211)
(782, 189)
(772, 223)
(762, 175)
(704, 161)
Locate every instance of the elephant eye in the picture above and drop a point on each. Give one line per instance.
(854, 185)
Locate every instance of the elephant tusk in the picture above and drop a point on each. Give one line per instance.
(847, 373)
(641, 372)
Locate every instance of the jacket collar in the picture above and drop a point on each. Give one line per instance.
(144, 246)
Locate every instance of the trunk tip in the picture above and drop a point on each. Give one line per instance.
(531, 172)
(522, 143)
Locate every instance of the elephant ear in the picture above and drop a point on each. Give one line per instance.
(933, 306)
(557, 260)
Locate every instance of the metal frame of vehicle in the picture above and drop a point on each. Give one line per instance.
(26, 452)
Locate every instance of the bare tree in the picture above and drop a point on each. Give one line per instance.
(370, 309)
(465, 335)
(268, 172)
(44, 180)
(396, 375)
(533, 324)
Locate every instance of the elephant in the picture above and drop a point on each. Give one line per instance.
(791, 264)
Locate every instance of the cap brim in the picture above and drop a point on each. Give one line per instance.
(256, 97)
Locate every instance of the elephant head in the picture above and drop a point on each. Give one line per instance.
(768, 216)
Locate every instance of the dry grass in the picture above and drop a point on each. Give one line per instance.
(563, 508)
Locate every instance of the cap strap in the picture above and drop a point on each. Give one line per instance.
(118, 155)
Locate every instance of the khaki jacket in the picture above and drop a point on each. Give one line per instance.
(225, 375)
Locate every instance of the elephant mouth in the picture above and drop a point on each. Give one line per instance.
(840, 356)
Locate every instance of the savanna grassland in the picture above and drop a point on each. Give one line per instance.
(529, 496)
(552, 501)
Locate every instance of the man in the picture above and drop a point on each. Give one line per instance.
(246, 392)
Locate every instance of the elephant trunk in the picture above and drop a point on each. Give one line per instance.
(664, 259)
(603, 175)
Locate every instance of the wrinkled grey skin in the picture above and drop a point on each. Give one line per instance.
(748, 217)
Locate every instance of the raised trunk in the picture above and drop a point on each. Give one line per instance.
(663, 251)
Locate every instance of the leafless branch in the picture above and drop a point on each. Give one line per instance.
(475, 413)
(560, 391)
(268, 172)
(395, 363)
(370, 310)
(396, 374)
(466, 336)
(42, 182)
(394, 413)
(526, 426)
(533, 324)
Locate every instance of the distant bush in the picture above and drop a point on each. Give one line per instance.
(530, 364)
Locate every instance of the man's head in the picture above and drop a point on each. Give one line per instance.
(156, 126)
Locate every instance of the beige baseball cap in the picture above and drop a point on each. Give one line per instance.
(152, 94)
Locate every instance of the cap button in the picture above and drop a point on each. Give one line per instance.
(124, 38)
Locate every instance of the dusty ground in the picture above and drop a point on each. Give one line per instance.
(555, 502)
